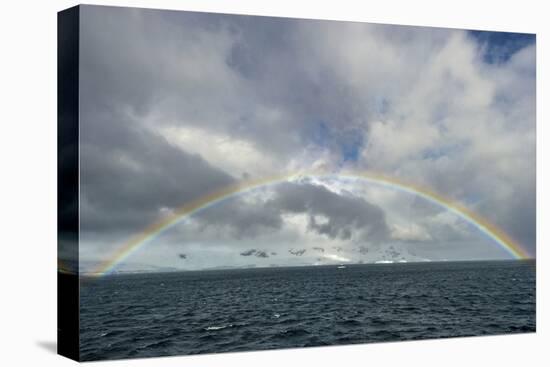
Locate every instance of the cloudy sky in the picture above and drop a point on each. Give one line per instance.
(176, 105)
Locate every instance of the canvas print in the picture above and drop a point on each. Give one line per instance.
(235, 183)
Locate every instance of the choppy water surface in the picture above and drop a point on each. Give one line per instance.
(143, 315)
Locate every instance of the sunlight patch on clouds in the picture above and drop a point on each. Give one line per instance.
(411, 232)
(235, 156)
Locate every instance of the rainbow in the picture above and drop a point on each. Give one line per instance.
(216, 197)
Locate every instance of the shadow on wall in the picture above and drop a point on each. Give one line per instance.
(48, 345)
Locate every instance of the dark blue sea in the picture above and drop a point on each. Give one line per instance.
(145, 315)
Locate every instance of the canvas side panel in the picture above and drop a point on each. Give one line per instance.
(67, 182)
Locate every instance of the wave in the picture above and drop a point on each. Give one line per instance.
(220, 327)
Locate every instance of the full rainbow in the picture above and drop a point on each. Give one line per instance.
(216, 197)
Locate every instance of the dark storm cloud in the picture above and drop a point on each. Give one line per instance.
(343, 214)
(129, 174)
(518, 216)
(244, 219)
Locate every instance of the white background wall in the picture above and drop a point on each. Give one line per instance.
(28, 182)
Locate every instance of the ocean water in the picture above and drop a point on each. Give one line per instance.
(145, 315)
